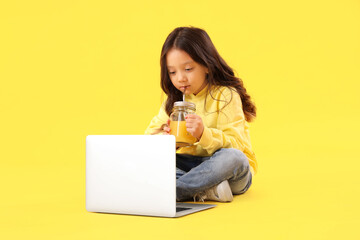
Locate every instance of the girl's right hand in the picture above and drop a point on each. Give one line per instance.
(166, 128)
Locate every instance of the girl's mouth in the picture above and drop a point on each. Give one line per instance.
(183, 89)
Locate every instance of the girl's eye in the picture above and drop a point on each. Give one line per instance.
(188, 69)
(171, 73)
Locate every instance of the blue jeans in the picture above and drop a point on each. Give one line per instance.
(196, 174)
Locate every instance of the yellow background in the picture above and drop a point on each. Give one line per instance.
(69, 69)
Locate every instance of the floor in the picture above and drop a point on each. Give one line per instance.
(49, 203)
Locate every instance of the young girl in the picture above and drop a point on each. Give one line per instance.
(221, 163)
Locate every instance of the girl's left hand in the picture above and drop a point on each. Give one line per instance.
(194, 125)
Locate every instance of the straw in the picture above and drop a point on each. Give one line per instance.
(184, 94)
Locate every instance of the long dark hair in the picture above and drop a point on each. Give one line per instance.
(197, 43)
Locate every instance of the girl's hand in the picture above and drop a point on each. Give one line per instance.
(166, 128)
(194, 125)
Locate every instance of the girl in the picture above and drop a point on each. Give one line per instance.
(221, 163)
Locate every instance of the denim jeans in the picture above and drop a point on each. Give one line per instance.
(196, 174)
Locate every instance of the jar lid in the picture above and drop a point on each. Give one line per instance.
(185, 104)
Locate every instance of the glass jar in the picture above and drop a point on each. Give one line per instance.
(178, 123)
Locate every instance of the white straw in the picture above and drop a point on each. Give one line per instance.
(184, 94)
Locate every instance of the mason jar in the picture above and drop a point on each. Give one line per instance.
(178, 123)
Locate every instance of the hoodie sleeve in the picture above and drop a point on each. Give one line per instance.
(156, 123)
(230, 129)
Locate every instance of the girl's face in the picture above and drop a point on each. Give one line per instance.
(185, 74)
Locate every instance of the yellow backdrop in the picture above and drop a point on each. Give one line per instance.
(69, 69)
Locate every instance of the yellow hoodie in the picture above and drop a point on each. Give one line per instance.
(225, 129)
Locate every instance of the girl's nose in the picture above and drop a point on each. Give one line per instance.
(181, 77)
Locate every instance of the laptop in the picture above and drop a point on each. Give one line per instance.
(134, 174)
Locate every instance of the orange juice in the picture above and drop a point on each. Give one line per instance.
(183, 137)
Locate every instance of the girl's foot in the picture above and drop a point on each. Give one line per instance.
(220, 193)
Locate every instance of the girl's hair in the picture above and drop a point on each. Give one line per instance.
(197, 43)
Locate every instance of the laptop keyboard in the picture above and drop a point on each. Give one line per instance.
(179, 209)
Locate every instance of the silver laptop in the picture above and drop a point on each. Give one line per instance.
(134, 174)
